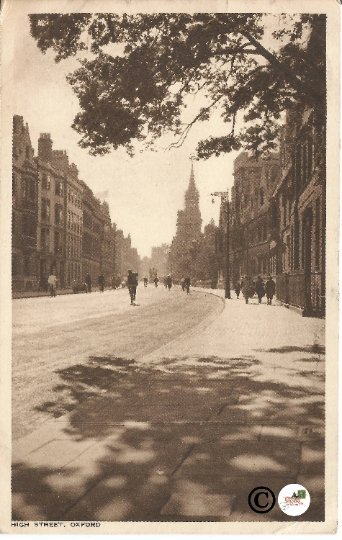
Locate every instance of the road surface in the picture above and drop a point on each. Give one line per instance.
(54, 335)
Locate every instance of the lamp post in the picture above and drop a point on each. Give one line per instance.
(224, 196)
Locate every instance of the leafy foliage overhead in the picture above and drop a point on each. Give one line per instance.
(137, 71)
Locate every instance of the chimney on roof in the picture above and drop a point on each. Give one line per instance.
(45, 147)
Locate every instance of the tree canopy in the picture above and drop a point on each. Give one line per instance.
(137, 71)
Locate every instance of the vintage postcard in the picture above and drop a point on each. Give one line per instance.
(169, 251)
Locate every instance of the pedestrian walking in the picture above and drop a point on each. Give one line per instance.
(187, 282)
(145, 281)
(101, 282)
(52, 282)
(270, 289)
(182, 284)
(169, 282)
(87, 281)
(156, 280)
(246, 288)
(260, 289)
(237, 289)
(132, 283)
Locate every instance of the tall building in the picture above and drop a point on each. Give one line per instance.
(250, 227)
(51, 214)
(24, 209)
(92, 238)
(74, 216)
(299, 213)
(185, 244)
(108, 246)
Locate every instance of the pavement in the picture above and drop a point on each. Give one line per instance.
(184, 431)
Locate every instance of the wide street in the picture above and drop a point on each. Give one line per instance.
(174, 409)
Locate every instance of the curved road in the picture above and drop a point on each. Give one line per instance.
(54, 335)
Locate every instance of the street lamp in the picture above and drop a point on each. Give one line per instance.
(224, 196)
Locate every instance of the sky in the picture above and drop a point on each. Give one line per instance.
(143, 192)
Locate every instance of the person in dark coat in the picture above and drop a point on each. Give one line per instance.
(169, 282)
(156, 280)
(270, 290)
(260, 289)
(87, 281)
(101, 282)
(187, 282)
(237, 288)
(246, 288)
(132, 283)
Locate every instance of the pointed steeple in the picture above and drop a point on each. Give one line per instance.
(191, 194)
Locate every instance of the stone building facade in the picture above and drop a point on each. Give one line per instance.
(249, 216)
(299, 213)
(93, 232)
(108, 246)
(51, 223)
(24, 209)
(74, 217)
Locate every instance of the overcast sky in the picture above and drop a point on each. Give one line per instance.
(144, 192)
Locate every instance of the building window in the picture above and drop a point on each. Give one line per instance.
(45, 181)
(45, 239)
(58, 247)
(29, 226)
(45, 209)
(59, 188)
(58, 214)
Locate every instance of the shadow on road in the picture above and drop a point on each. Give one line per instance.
(186, 438)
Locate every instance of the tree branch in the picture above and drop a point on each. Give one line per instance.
(288, 74)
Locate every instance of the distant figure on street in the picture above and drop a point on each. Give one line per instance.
(237, 288)
(52, 282)
(132, 283)
(187, 282)
(168, 282)
(87, 281)
(101, 282)
(156, 280)
(246, 288)
(270, 288)
(182, 284)
(260, 289)
(145, 281)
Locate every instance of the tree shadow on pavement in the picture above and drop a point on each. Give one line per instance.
(185, 438)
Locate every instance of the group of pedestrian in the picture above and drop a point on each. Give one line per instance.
(100, 281)
(185, 284)
(249, 288)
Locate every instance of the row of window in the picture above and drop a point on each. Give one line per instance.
(73, 198)
(74, 222)
(74, 247)
(46, 184)
(45, 241)
(45, 212)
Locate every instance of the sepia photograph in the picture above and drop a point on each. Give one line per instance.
(169, 272)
